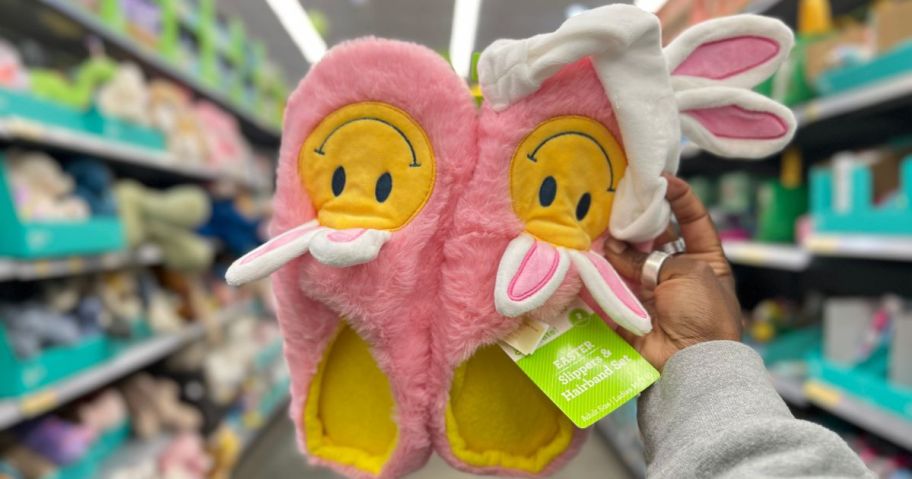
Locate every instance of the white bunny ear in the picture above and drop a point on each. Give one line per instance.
(609, 291)
(738, 51)
(530, 272)
(734, 122)
(272, 255)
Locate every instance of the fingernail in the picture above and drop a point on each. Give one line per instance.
(616, 247)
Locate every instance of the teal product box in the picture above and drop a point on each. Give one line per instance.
(36, 240)
(90, 464)
(19, 377)
(894, 63)
(862, 215)
(16, 105)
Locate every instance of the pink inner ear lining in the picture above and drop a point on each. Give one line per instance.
(728, 57)
(345, 236)
(536, 268)
(614, 281)
(737, 123)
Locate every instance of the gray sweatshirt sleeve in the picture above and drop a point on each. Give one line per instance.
(715, 414)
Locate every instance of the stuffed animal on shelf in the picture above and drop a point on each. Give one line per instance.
(60, 441)
(104, 412)
(42, 191)
(12, 72)
(167, 218)
(68, 297)
(411, 233)
(170, 110)
(94, 184)
(186, 458)
(154, 407)
(31, 327)
(239, 233)
(78, 92)
(226, 148)
(125, 95)
(119, 292)
(29, 463)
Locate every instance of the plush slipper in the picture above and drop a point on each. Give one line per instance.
(378, 139)
(577, 128)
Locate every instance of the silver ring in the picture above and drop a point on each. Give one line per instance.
(677, 246)
(651, 268)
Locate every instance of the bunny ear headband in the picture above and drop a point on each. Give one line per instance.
(699, 84)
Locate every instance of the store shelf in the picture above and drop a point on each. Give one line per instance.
(11, 269)
(859, 412)
(256, 128)
(895, 248)
(768, 255)
(15, 410)
(31, 132)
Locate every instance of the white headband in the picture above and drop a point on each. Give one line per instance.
(625, 45)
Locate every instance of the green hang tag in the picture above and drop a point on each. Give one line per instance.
(584, 367)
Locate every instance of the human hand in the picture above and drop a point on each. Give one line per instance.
(695, 299)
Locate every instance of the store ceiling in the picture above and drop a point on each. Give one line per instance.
(423, 21)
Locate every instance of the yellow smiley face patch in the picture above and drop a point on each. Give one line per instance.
(562, 180)
(367, 165)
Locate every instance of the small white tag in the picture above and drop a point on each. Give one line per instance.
(527, 336)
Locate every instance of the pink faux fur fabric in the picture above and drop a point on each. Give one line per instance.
(386, 301)
(484, 225)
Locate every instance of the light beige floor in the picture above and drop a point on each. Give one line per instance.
(275, 456)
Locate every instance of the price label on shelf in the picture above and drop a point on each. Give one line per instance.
(38, 403)
(823, 394)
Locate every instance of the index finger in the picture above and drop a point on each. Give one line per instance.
(696, 226)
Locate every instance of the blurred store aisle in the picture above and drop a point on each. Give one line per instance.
(274, 455)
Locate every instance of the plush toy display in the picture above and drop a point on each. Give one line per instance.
(239, 233)
(226, 148)
(31, 327)
(170, 110)
(405, 247)
(125, 95)
(167, 218)
(60, 441)
(78, 92)
(12, 73)
(155, 407)
(94, 184)
(41, 189)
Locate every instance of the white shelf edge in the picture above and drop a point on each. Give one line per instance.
(24, 270)
(895, 248)
(17, 128)
(862, 414)
(770, 255)
(12, 410)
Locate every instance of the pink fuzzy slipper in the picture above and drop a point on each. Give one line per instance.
(577, 129)
(378, 138)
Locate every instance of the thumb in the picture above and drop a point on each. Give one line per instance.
(626, 260)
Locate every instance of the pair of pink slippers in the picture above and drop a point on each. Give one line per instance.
(413, 232)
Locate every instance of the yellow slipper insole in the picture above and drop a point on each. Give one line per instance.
(349, 411)
(496, 416)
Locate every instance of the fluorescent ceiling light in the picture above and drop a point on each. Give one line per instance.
(294, 18)
(462, 38)
(651, 6)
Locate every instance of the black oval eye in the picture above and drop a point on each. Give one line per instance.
(384, 187)
(338, 181)
(583, 206)
(547, 191)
